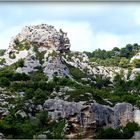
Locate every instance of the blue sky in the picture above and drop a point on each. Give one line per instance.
(89, 25)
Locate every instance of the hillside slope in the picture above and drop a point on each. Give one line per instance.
(61, 93)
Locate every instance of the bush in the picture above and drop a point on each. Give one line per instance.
(39, 96)
(19, 63)
(4, 82)
(129, 130)
(136, 63)
(76, 72)
(109, 133)
(56, 129)
(38, 76)
(2, 52)
(12, 55)
(20, 77)
(124, 62)
(20, 46)
(29, 93)
(2, 61)
(125, 133)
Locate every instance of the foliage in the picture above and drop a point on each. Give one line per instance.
(56, 129)
(14, 127)
(76, 72)
(20, 46)
(115, 57)
(136, 63)
(122, 133)
(109, 134)
(38, 88)
(2, 52)
(39, 96)
(124, 62)
(2, 61)
(19, 63)
(4, 82)
(12, 55)
(39, 55)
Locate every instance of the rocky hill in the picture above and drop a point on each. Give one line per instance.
(62, 93)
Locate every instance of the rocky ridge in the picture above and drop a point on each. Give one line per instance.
(48, 43)
(43, 48)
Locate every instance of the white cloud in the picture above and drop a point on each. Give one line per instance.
(107, 41)
(137, 17)
(81, 34)
(6, 36)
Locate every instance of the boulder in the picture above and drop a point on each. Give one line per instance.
(123, 113)
(45, 35)
(86, 114)
(136, 135)
(21, 113)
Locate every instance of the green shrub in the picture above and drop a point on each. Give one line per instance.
(40, 96)
(29, 93)
(12, 55)
(109, 133)
(2, 61)
(136, 63)
(20, 77)
(20, 46)
(129, 130)
(4, 82)
(2, 52)
(121, 133)
(76, 72)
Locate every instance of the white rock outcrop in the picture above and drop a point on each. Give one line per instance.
(45, 35)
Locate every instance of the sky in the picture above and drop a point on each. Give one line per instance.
(89, 26)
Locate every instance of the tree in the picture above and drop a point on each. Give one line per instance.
(129, 47)
(39, 97)
(136, 63)
(2, 52)
(19, 63)
(124, 62)
(116, 49)
(129, 130)
(20, 77)
(43, 118)
(4, 82)
(109, 133)
(29, 93)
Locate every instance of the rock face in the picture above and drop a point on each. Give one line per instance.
(137, 56)
(89, 116)
(44, 35)
(137, 116)
(136, 135)
(41, 46)
(123, 114)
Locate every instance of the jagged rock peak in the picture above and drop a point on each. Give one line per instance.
(45, 35)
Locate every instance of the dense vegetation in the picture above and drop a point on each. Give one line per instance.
(122, 133)
(2, 52)
(115, 57)
(37, 88)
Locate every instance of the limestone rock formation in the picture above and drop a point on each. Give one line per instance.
(40, 46)
(89, 116)
(43, 48)
(44, 35)
(136, 135)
